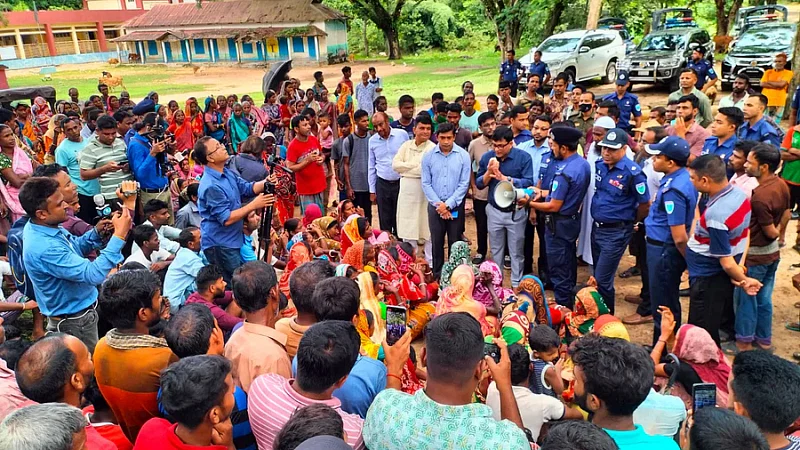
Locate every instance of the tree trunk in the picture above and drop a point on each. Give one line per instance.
(553, 18)
(593, 14)
(795, 81)
(366, 43)
(725, 18)
(392, 41)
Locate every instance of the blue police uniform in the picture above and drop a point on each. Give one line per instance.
(628, 104)
(674, 205)
(569, 184)
(619, 190)
(547, 169)
(509, 70)
(724, 150)
(760, 132)
(705, 72)
(540, 69)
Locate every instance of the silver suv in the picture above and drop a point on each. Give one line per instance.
(581, 54)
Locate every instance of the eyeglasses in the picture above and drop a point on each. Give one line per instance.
(503, 145)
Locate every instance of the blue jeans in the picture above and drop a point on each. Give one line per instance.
(227, 259)
(665, 265)
(608, 246)
(562, 259)
(754, 312)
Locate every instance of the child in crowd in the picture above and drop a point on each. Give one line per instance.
(546, 376)
(326, 142)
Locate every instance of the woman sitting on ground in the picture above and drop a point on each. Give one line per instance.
(355, 229)
(457, 297)
(402, 291)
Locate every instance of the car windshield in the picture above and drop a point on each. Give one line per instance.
(559, 45)
(662, 42)
(766, 40)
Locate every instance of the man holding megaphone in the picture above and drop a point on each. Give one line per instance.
(503, 169)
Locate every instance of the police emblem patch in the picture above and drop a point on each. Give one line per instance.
(641, 188)
(669, 206)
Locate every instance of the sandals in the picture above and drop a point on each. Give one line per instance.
(631, 272)
(793, 326)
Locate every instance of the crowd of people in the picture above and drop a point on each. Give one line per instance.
(212, 276)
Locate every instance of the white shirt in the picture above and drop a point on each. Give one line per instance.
(660, 415)
(166, 234)
(535, 409)
(156, 256)
(653, 177)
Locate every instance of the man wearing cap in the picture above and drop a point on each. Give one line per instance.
(626, 102)
(561, 210)
(620, 199)
(509, 71)
(667, 226)
(704, 69)
(686, 127)
(687, 80)
(504, 222)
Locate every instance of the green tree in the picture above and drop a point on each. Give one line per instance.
(726, 14)
(508, 17)
(385, 14)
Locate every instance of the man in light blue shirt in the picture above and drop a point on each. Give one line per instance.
(660, 414)
(179, 282)
(612, 378)
(384, 182)
(64, 281)
(67, 154)
(366, 93)
(445, 179)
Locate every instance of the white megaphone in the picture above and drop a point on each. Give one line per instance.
(505, 195)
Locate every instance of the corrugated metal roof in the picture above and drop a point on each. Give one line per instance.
(212, 33)
(234, 13)
(139, 36)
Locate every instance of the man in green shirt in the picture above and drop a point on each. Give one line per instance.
(688, 80)
(105, 158)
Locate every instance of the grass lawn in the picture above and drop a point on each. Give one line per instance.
(138, 79)
(443, 72)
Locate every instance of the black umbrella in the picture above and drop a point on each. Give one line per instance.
(277, 73)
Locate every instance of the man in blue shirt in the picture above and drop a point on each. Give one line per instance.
(220, 205)
(539, 67)
(627, 103)
(620, 199)
(755, 126)
(706, 77)
(596, 358)
(143, 156)
(64, 281)
(668, 225)
(509, 71)
(179, 282)
(504, 223)
(67, 156)
(723, 134)
(539, 149)
(561, 211)
(445, 180)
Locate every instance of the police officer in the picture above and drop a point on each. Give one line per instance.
(723, 134)
(509, 71)
(755, 126)
(626, 102)
(620, 199)
(561, 210)
(668, 225)
(706, 77)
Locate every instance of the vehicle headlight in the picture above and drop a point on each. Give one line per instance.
(673, 61)
(625, 64)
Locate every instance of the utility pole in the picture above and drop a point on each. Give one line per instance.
(594, 14)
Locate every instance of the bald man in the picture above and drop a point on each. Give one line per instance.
(384, 182)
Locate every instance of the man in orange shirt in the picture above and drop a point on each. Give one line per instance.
(775, 85)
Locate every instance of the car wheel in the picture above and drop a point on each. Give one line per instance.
(611, 72)
(570, 75)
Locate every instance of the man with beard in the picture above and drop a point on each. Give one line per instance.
(612, 378)
(687, 128)
(563, 198)
(128, 360)
(723, 134)
(741, 90)
(688, 80)
(706, 77)
(212, 294)
(57, 369)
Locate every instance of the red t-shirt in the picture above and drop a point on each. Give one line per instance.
(110, 431)
(159, 434)
(310, 180)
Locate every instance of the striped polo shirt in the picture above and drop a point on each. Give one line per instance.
(272, 401)
(97, 154)
(721, 230)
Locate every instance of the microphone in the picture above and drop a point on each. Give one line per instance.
(103, 208)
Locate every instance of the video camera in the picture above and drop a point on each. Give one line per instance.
(158, 134)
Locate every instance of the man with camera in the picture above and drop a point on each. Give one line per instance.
(148, 160)
(65, 282)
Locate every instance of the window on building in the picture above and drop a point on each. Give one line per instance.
(152, 48)
(199, 47)
(247, 47)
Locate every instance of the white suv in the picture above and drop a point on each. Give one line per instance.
(581, 54)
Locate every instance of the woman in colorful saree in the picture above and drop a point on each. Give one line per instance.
(457, 297)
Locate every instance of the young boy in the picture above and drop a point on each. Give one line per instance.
(326, 142)
(535, 409)
(545, 377)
